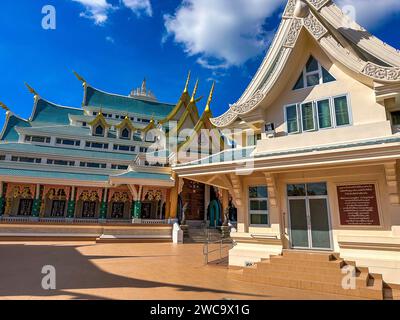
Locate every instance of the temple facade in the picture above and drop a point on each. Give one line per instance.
(101, 162)
(323, 173)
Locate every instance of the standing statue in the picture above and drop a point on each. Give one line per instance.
(226, 217)
(183, 213)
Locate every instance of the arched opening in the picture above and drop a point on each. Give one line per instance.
(99, 130)
(125, 133)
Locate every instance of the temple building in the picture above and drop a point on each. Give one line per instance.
(323, 173)
(101, 161)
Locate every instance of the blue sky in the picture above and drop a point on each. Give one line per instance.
(115, 43)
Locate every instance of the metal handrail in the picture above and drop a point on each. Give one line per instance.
(207, 252)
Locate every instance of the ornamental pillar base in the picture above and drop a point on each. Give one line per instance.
(37, 203)
(103, 211)
(71, 209)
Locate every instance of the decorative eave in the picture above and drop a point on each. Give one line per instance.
(183, 102)
(318, 26)
(205, 123)
(99, 119)
(127, 123)
(9, 115)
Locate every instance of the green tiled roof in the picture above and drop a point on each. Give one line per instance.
(62, 129)
(49, 113)
(58, 151)
(9, 132)
(52, 175)
(99, 99)
(145, 175)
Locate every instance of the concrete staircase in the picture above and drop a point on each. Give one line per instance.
(201, 235)
(317, 271)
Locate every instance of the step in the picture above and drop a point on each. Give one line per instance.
(327, 277)
(372, 292)
(286, 262)
(314, 256)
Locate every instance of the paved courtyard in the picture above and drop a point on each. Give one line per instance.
(125, 271)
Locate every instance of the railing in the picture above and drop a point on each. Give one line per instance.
(223, 244)
(62, 220)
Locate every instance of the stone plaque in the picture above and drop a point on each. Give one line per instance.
(358, 205)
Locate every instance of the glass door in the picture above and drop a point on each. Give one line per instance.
(309, 216)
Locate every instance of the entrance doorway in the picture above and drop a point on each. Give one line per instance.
(309, 221)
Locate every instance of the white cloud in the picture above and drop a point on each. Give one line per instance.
(370, 13)
(99, 10)
(96, 10)
(230, 31)
(110, 39)
(139, 6)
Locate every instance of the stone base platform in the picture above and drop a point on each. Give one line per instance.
(88, 232)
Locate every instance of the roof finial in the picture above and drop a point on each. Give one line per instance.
(31, 90)
(79, 77)
(144, 89)
(187, 82)
(3, 106)
(195, 91)
(210, 97)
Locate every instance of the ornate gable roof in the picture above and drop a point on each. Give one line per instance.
(342, 39)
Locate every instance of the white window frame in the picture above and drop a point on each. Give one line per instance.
(330, 112)
(349, 110)
(300, 106)
(304, 74)
(297, 116)
(315, 114)
(262, 212)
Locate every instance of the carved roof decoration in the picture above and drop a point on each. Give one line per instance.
(333, 31)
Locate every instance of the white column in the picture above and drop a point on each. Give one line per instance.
(37, 191)
(72, 196)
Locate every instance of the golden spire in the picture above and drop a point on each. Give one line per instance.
(187, 83)
(31, 90)
(3, 106)
(80, 78)
(195, 91)
(210, 97)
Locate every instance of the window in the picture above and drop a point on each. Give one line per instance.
(125, 133)
(324, 114)
(292, 119)
(313, 74)
(258, 205)
(2, 157)
(341, 111)
(395, 118)
(61, 162)
(143, 149)
(99, 131)
(307, 116)
(68, 142)
(37, 139)
(96, 145)
(93, 165)
(84, 124)
(119, 167)
(26, 159)
(58, 208)
(321, 114)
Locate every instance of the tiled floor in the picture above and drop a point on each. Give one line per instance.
(125, 271)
